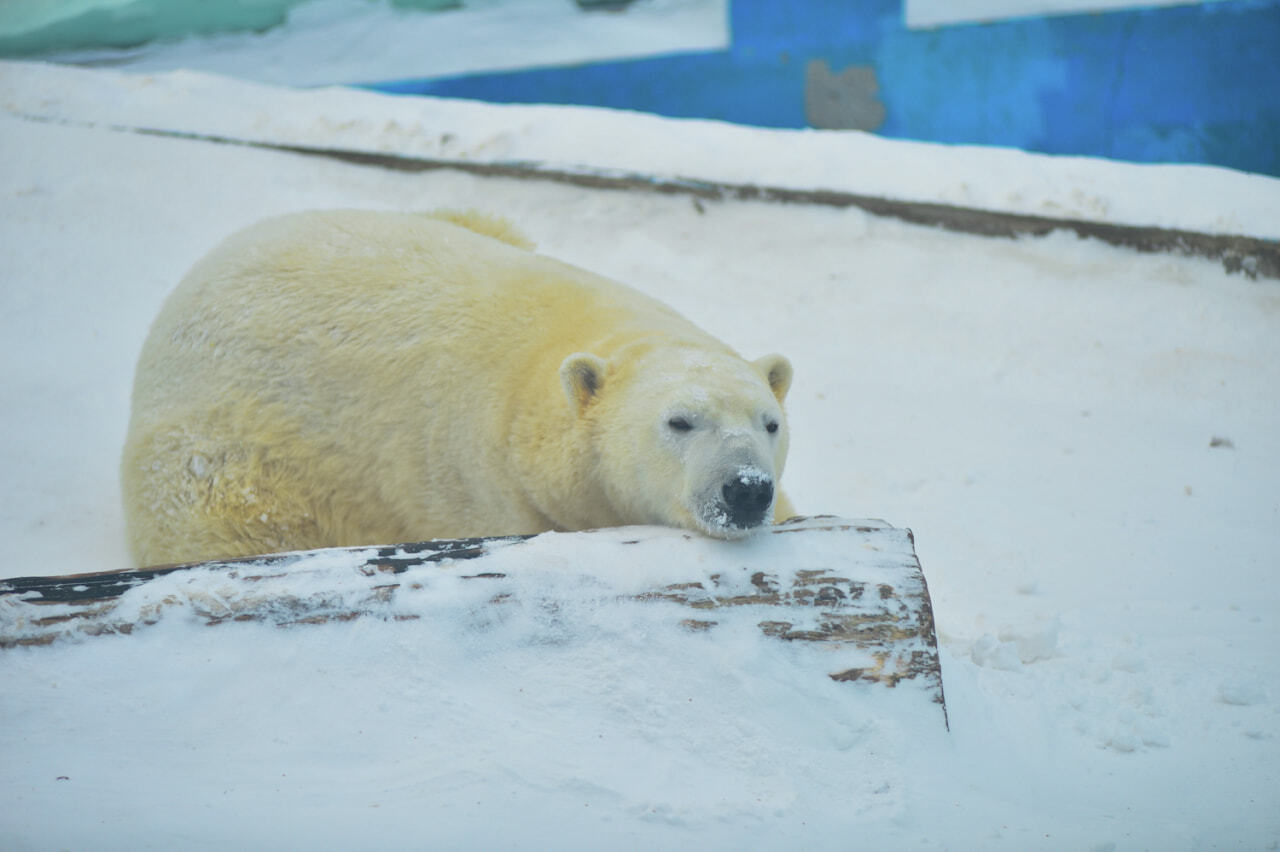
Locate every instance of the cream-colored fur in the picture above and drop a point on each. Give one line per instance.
(349, 377)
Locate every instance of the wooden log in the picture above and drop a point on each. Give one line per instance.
(854, 588)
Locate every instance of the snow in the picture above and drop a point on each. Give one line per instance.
(346, 41)
(1085, 441)
(568, 138)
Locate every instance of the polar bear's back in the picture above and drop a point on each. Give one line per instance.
(337, 295)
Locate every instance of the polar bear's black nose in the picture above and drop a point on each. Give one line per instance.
(747, 497)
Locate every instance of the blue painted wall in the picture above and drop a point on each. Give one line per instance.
(1197, 83)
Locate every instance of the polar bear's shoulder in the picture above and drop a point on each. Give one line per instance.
(339, 228)
(483, 223)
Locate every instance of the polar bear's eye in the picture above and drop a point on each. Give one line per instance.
(679, 424)
(771, 426)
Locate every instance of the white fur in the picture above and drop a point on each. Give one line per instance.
(346, 377)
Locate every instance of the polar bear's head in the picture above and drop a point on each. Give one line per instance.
(683, 435)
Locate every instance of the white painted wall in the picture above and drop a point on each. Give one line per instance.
(922, 14)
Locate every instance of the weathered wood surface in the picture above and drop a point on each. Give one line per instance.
(853, 587)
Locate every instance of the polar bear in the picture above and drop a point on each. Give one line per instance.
(358, 377)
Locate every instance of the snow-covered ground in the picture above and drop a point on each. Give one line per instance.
(1086, 442)
(1205, 199)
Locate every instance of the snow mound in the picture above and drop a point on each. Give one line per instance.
(560, 681)
(1202, 199)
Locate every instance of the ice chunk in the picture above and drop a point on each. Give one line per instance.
(989, 652)
(1040, 643)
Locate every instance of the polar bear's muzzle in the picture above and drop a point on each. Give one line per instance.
(747, 497)
(742, 504)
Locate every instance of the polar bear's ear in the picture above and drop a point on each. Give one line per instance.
(582, 375)
(777, 371)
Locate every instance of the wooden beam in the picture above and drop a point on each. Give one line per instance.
(853, 588)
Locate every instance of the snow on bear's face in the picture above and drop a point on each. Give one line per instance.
(686, 437)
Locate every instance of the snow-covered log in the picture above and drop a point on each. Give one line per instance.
(851, 591)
